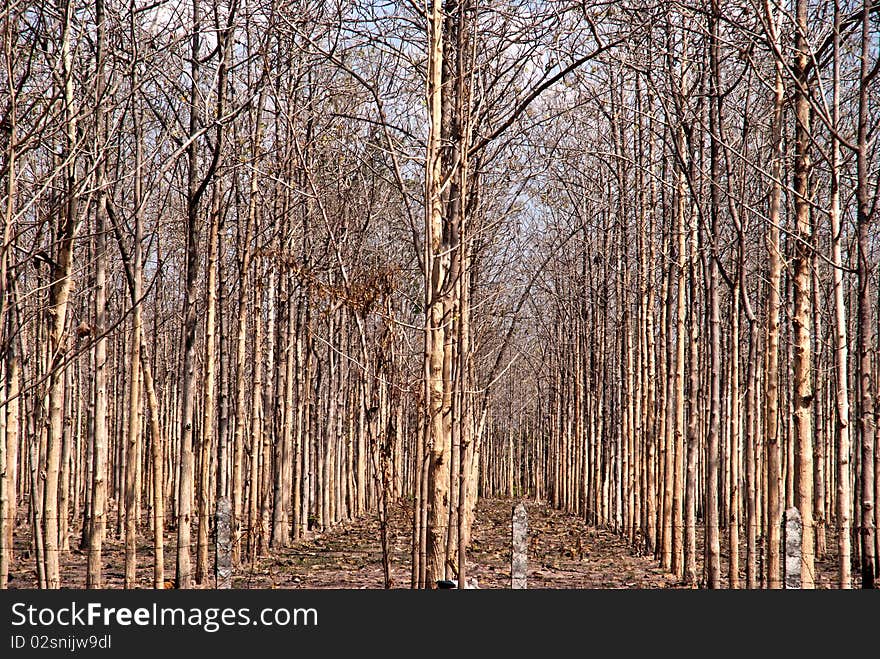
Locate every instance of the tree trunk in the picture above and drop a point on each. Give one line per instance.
(865, 344)
(713, 541)
(803, 386)
(841, 342)
(436, 310)
(771, 401)
(59, 295)
(194, 193)
(208, 409)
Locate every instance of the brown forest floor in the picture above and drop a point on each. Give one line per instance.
(563, 553)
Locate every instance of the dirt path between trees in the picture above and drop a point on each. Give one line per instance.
(563, 553)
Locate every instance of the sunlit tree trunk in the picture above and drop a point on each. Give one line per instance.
(194, 193)
(841, 343)
(436, 264)
(866, 309)
(803, 385)
(59, 295)
(208, 403)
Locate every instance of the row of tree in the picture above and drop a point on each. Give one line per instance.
(719, 268)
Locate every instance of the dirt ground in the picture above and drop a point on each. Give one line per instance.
(563, 553)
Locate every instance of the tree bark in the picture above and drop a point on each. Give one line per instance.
(865, 344)
(803, 385)
(771, 400)
(59, 295)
